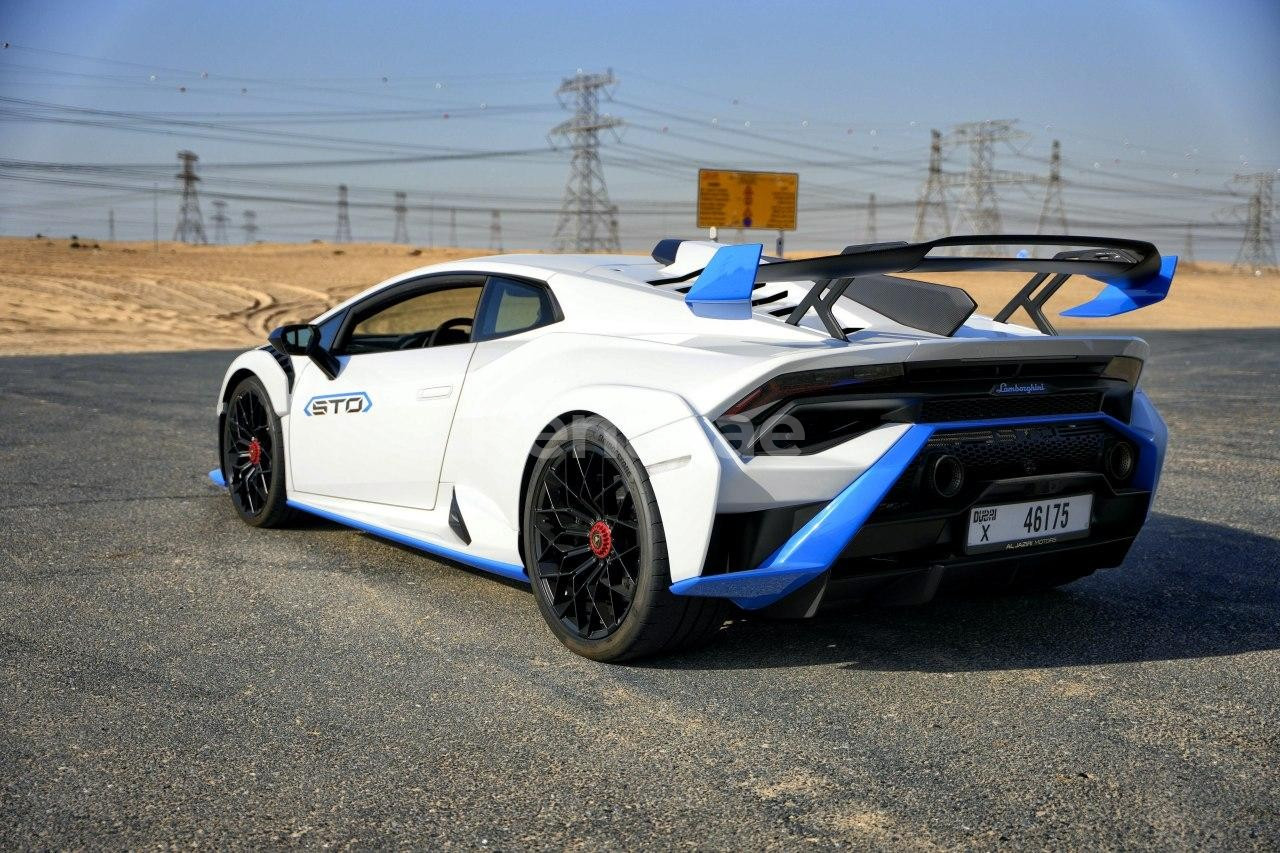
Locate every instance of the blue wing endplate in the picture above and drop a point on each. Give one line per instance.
(723, 288)
(1121, 296)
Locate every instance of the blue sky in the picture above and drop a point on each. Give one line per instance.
(1141, 94)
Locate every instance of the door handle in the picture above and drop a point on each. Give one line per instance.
(435, 393)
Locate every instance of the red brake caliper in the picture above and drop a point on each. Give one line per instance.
(600, 538)
(255, 452)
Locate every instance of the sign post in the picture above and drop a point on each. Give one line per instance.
(735, 199)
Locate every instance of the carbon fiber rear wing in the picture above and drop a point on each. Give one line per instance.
(1133, 272)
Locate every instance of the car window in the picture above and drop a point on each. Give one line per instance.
(511, 306)
(436, 318)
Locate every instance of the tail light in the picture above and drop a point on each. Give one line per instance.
(807, 383)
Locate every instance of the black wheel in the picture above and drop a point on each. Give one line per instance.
(253, 456)
(595, 550)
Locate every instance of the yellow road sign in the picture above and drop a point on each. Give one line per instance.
(747, 199)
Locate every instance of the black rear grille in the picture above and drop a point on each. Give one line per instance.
(1025, 450)
(997, 454)
(937, 410)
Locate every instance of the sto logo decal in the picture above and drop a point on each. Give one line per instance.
(351, 403)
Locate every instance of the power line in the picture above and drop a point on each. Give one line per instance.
(588, 221)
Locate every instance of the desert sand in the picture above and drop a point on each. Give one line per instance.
(128, 297)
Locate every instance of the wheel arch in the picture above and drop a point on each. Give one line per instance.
(259, 364)
(666, 435)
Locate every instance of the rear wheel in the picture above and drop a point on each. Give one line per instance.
(253, 456)
(596, 554)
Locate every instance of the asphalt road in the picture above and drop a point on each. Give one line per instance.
(171, 677)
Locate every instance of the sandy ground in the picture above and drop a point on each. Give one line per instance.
(126, 297)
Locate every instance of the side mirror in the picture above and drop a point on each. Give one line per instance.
(303, 339)
(294, 339)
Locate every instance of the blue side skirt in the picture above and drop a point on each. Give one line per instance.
(506, 570)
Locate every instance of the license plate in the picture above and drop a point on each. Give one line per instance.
(1012, 527)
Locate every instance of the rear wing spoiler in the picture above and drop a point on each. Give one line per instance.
(1133, 273)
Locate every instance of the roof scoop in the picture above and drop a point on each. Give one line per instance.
(683, 257)
(723, 289)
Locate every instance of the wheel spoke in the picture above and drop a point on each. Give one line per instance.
(586, 531)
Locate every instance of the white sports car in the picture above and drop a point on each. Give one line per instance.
(645, 440)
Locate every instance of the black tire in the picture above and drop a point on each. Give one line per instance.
(253, 456)
(596, 554)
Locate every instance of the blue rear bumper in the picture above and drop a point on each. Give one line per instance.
(813, 548)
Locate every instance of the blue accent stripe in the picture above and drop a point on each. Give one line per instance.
(215, 477)
(814, 547)
(506, 570)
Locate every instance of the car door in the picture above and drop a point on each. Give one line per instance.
(377, 431)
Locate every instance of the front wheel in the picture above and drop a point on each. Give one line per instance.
(596, 554)
(253, 456)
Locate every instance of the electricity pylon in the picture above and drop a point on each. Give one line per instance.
(401, 231)
(495, 231)
(344, 217)
(587, 222)
(1257, 252)
(219, 221)
(250, 227)
(190, 227)
(982, 210)
(931, 208)
(1053, 213)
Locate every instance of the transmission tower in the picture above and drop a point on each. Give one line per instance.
(190, 227)
(495, 231)
(453, 228)
(982, 210)
(1188, 256)
(932, 204)
(871, 220)
(1053, 213)
(588, 222)
(111, 225)
(1257, 252)
(344, 217)
(401, 231)
(220, 221)
(250, 226)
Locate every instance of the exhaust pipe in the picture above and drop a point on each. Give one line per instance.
(945, 476)
(1120, 461)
